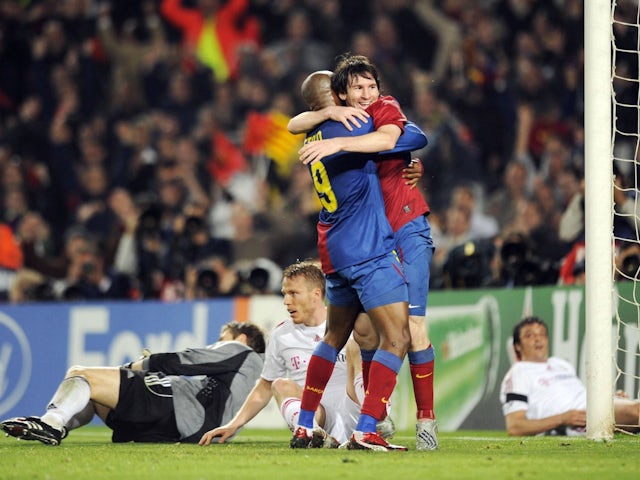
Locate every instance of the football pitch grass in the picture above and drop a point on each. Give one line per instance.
(88, 454)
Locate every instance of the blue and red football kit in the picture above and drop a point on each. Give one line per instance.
(406, 209)
(353, 227)
(407, 212)
(356, 243)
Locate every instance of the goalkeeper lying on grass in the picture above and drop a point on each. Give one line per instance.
(543, 395)
(166, 397)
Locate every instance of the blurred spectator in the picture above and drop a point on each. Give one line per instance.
(627, 261)
(469, 265)
(456, 231)
(572, 268)
(451, 156)
(88, 279)
(126, 116)
(503, 202)
(120, 244)
(544, 249)
(129, 57)
(42, 252)
(518, 265)
(213, 31)
(446, 31)
(91, 211)
(249, 240)
(298, 52)
(211, 277)
(10, 260)
(482, 225)
(14, 206)
(294, 218)
(389, 56)
(571, 225)
(258, 277)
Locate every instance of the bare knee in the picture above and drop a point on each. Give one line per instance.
(396, 341)
(285, 388)
(77, 371)
(366, 337)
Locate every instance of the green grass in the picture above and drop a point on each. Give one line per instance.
(264, 454)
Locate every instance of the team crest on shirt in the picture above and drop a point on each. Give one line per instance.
(317, 338)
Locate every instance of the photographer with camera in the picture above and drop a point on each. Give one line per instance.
(87, 278)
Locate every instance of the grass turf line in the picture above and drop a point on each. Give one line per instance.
(264, 454)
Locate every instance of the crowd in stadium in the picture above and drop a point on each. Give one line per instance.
(144, 151)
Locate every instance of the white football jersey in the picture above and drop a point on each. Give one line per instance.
(542, 389)
(289, 350)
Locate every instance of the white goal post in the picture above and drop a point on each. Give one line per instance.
(598, 217)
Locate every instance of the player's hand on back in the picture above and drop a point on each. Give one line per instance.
(413, 172)
(348, 116)
(314, 151)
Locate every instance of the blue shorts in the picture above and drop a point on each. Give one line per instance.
(415, 247)
(371, 284)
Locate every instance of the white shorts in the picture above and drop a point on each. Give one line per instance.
(341, 412)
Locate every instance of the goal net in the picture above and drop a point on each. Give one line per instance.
(624, 83)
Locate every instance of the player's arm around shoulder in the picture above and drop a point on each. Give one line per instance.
(306, 121)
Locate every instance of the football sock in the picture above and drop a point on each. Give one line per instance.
(290, 411)
(421, 366)
(71, 397)
(82, 418)
(318, 373)
(382, 380)
(367, 357)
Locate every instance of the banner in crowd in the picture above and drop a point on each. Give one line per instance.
(470, 330)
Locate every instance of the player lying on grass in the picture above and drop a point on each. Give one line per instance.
(291, 344)
(166, 397)
(543, 395)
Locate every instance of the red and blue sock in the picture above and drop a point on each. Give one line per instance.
(318, 373)
(421, 366)
(382, 380)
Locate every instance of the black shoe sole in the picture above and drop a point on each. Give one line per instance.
(22, 433)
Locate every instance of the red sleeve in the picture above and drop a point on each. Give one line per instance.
(178, 15)
(386, 111)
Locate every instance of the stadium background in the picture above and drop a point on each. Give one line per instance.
(166, 153)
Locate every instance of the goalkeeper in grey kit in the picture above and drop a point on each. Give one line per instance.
(165, 397)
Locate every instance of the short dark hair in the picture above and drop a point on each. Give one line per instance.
(350, 66)
(530, 320)
(254, 334)
(310, 271)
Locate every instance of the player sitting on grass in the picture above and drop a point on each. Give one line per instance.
(166, 397)
(291, 344)
(543, 395)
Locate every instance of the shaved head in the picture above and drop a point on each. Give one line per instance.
(316, 90)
